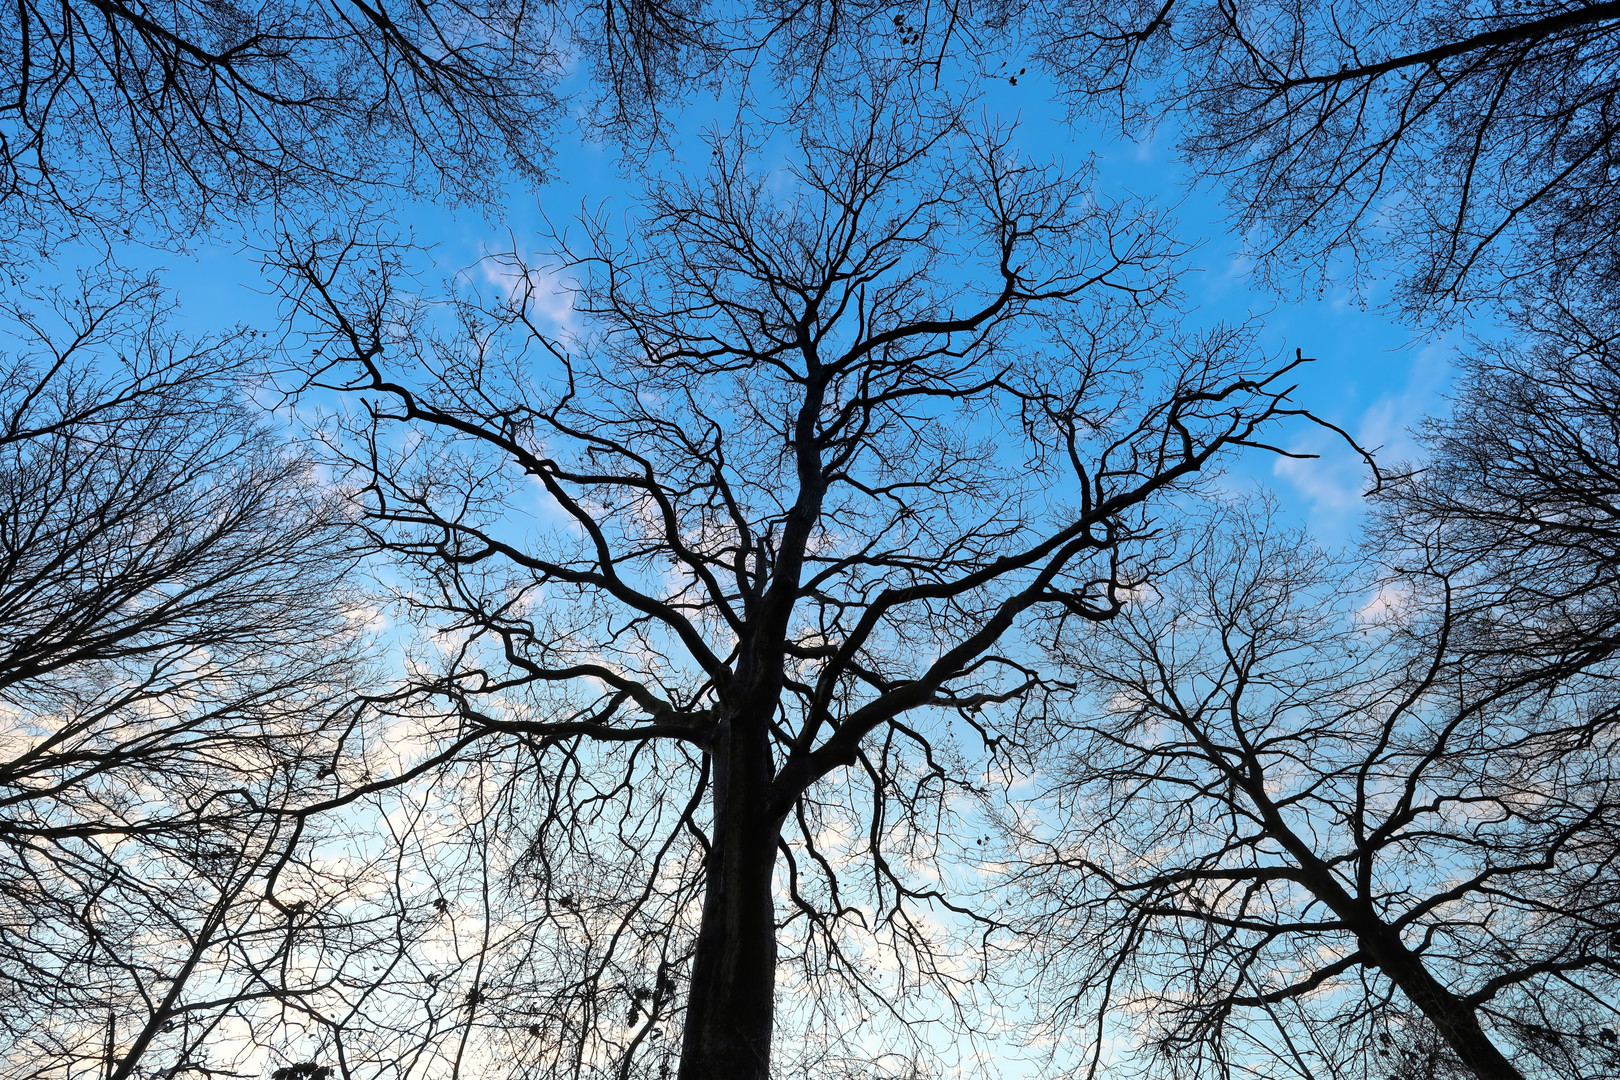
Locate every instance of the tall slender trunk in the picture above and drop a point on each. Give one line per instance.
(123, 1068)
(731, 1003)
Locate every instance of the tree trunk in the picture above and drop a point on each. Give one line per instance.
(1451, 1016)
(730, 1005)
(1454, 1020)
(1461, 1029)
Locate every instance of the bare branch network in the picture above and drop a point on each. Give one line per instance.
(826, 644)
(818, 463)
(1471, 146)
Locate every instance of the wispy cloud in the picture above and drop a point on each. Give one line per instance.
(1333, 483)
(550, 297)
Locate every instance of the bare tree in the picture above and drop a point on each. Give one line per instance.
(1474, 145)
(1293, 831)
(113, 113)
(1519, 502)
(174, 659)
(117, 116)
(729, 583)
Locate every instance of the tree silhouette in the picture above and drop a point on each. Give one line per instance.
(1473, 147)
(173, 662)
(1295, 823)
(715, 580)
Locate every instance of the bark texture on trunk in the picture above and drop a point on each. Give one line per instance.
(731, 998)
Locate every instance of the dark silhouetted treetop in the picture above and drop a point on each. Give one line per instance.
(1518, 504)
(1470, 145)
(1282, 828)
(177, 663)
(117, 115)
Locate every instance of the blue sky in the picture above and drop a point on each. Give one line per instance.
(1375, 376)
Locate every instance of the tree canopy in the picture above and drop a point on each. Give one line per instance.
(1470, 146)
(831, 641)
(722, 567)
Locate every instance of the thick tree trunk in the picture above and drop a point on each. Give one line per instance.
(1451, 1016)
(1454, 1020)
(730, 1005)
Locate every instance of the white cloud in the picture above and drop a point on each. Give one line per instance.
(549, 297)
(1335, 481)
(1388, 602)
